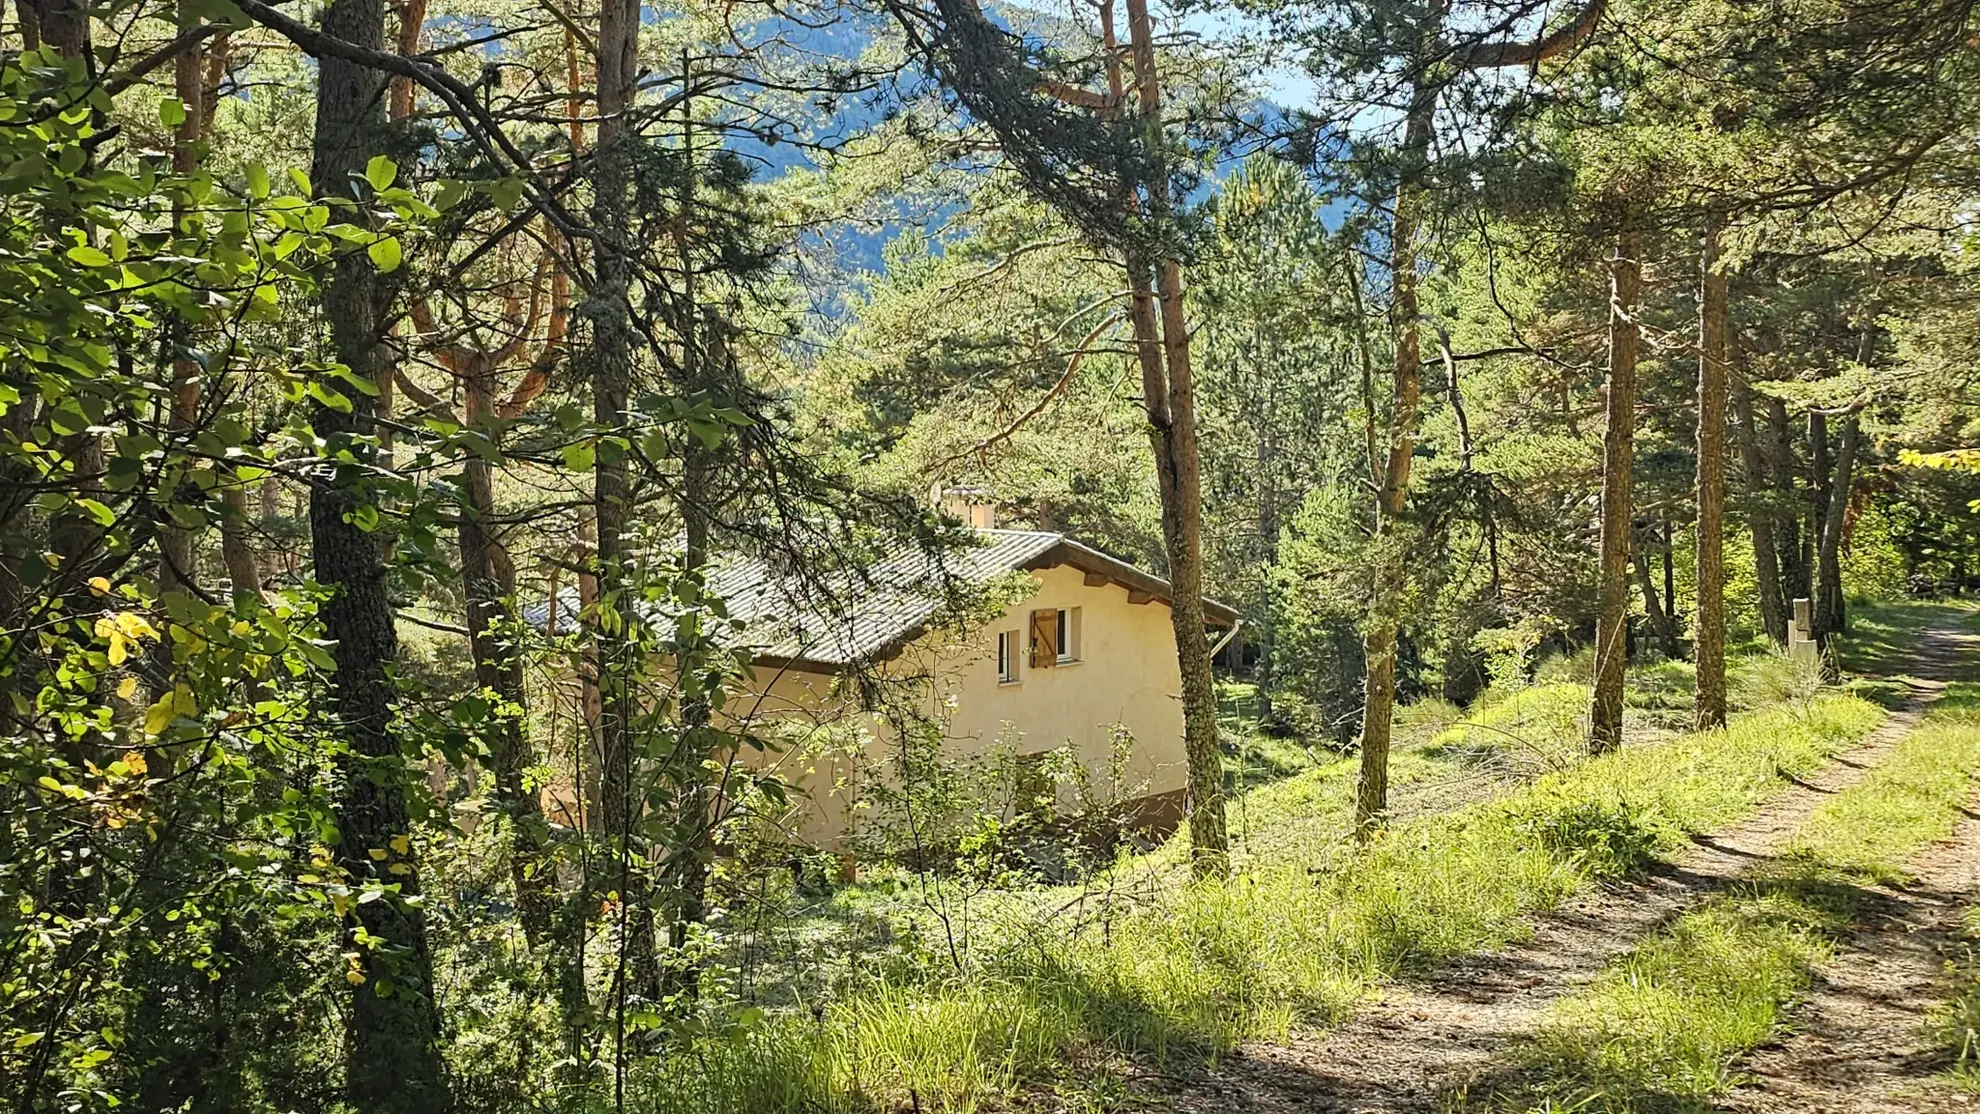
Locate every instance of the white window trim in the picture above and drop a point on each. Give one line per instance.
(1010, 645)
(1069, 636)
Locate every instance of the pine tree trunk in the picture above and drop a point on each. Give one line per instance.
(1612, 596)
(1760, 518)
(177, 545)
(1829, 604)
(1796, 582)
(1268, 533)
(1662, 625)
(1379, 634)
(621, 800)
(1170, 404)
(1820, 466)
(236, 552)
(394, 1062)
(488, 581)
(1709, 625)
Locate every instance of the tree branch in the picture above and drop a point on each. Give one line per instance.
(1482, 56)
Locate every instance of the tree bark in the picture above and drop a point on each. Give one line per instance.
(1820, 465)
(394, 1062)
(1612, 596)
(1169, 402)
(236, 551)
(177, 544)
(1662, 624)
(1709, 623)
(1829, 604)
(1760, 517)
(1268, 534)
(488, 581)
(621, 800)
(1796, 582)
(1379, 635)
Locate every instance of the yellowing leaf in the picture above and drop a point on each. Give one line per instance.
(402, 845)
(377, 854)
(100, 585)
(355, 978)
(401, 868)
(135, 626)
(126, 688)
(159, 716)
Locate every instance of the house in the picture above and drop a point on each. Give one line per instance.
(1028, 641)
(1075, 649)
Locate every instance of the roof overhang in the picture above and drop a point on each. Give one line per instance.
(1098, 567)
(1153, 588)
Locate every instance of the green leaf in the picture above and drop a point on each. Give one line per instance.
(386, 254)
(88, 256)
(317, 656)
(578, 457)
(506, 193)
(380, 172)
(301, 181)
(103, 515)
(329, 396)
(171, 112)
(257, 181)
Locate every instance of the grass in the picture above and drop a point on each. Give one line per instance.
(1956, 1023)
(1662, 1030)
(1665, 1028)
(1298, 938)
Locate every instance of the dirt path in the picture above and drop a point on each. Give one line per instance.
(1860, 1044)
(1422, 1038)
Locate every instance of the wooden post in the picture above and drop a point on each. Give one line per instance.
(1801, 632)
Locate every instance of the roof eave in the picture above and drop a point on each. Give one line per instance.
(1088, 559)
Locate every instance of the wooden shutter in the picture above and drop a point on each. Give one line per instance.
(1044, 639)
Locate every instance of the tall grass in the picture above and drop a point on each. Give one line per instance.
(1665, 1027)
(1302, 940)
(1296, 939)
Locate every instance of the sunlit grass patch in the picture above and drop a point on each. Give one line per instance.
(1912, 799)
(1541, 724)
(1665, 1027)
(1670, 1020)
(1297, 941)
(1299, 938)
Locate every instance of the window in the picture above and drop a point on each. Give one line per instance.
(1007, 657)
(1068, 634)
(1054, 637)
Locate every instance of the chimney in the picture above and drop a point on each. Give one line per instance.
(971, 504)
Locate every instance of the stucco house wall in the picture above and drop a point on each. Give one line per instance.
(1126, 674)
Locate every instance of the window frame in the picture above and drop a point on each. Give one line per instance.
(1069, 636)
(1009, 646)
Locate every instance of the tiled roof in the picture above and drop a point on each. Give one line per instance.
(872, 614)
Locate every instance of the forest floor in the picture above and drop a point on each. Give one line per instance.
(1856, 1041)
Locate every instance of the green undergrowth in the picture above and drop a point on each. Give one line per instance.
(1296, 939)
(1541, 722)
(1664, 1029)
